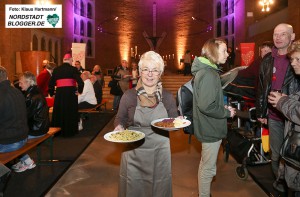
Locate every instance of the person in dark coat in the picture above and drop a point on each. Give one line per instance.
(37, 116)
(79, 67)
(65, 109)
(13, 119)
(246, 82)
(97, 88)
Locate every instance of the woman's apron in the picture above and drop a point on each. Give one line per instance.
(146, 167)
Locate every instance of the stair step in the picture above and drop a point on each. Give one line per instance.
(170, 82)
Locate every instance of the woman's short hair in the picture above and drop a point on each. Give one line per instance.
(29, 77)
(210, 49)
(3, 74)
(294, 47)
(87, 74)
(151, 57)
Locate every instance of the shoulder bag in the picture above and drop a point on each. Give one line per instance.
(290, 150)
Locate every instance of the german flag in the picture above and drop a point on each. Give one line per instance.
(265, 139)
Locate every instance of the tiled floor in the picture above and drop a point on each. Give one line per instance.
(95, 173)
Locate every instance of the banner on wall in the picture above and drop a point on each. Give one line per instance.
(247, 53)
(78, 53)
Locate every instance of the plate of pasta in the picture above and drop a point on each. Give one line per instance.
(124, 136)
(170, 124)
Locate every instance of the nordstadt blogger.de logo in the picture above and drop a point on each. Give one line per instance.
(33, 16)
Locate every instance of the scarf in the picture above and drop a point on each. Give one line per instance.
(149, 100)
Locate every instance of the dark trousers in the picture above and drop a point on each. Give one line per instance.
(85, 105)
(187, 69)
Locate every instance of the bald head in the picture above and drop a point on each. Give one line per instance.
(283, 36)
(286, 26)
(85, 75)
(93, 78)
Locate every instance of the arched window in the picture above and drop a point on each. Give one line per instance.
(219, 10)
(75, 40)
(56, 52)
(81, 41)
(35, 43)
(89, 29)
(89, 48)
(226, 27)
(89, 10)
(81, 8)
(232, 25)
(232, 6)
(75, 26)
(75, 7)
(50, 47)
(219, 29)
(43, 44)
(226, 7)
(82, 28)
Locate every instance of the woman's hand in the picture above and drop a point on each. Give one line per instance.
(263, 120)
(181, 117)
(274, 97)
(119, 128)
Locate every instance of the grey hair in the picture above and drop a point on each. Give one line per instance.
(87, 74)
(152, 57)
(29, 77)
(3, 74)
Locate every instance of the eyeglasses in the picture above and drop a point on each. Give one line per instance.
(146, 71)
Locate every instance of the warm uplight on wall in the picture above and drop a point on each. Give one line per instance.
(43, 2)
(265, 5)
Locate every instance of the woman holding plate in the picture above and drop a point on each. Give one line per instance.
(146, 165)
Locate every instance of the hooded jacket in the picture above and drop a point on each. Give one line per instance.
(209, 113)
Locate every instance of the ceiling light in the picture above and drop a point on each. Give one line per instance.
(265, 5)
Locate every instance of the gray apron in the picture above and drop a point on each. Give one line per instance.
(146, 165)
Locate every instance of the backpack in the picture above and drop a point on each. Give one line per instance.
(185, 105)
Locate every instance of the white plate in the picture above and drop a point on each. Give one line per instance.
(109, 136)
(184, 124)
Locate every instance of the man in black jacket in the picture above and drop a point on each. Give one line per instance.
(37, 116)
(276, 74)
(13, 120)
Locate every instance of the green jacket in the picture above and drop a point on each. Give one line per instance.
(209, 114)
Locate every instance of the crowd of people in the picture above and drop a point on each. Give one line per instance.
(26, 111)
(146, 165)
(276, 91)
